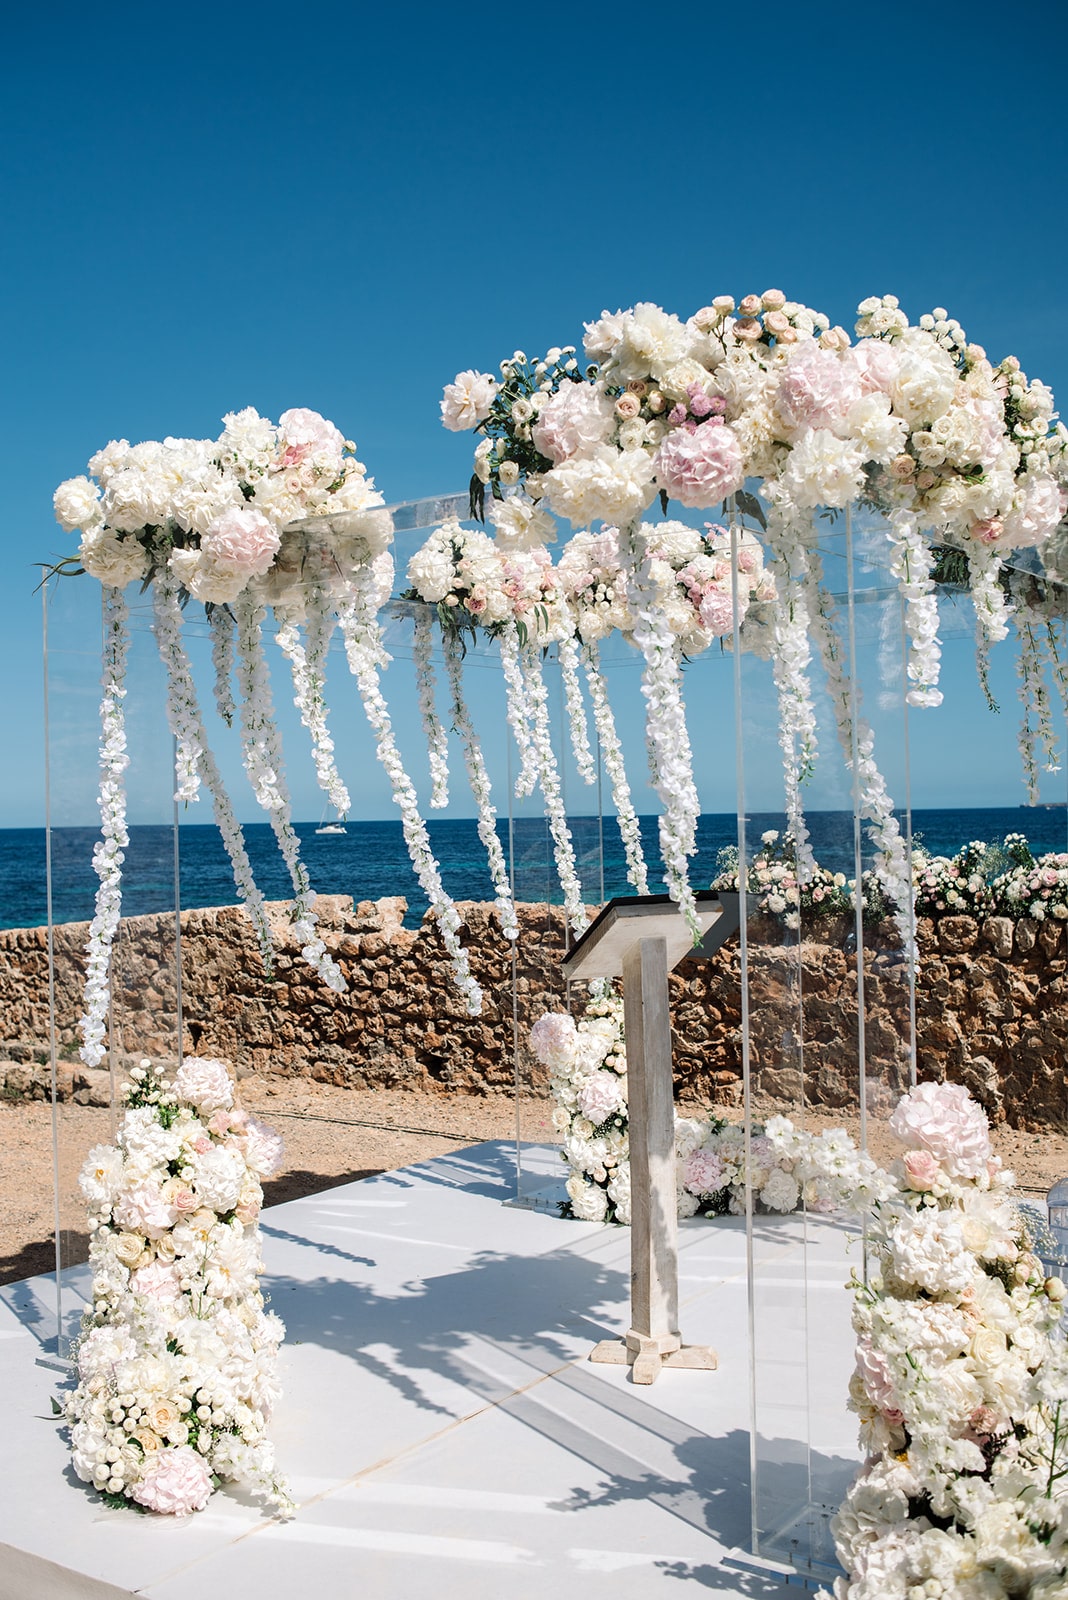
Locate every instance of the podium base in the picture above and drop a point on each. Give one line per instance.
(647, 1355)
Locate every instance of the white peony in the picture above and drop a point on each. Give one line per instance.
(205, 1083)
(520, 524)
(77, 504)
(100, 1179)
(111, 560)
(588, 1202)
(925, 382)
(573, 422)
(468, 400)
(218, 1178)
(823, 470)
(610, 485)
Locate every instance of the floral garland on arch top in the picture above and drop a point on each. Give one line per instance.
(268, 516)
(912, 421)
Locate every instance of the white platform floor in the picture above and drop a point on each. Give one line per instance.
(442, 1430)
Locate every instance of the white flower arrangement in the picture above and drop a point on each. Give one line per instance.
(961, 1378)
(587, 1063)
(108, 853)
(307, 660)
(177, 1359)
(612, 754)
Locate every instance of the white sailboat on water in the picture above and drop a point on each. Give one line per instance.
(330, 827)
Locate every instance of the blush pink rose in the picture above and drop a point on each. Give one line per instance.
(699, 468)
(175, 1482)
(942, 1118)
(241, 542)
(922, 1169)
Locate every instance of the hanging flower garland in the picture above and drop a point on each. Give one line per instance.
(221, 623)
(568, 656)
(262, 756)
(434, 731)
(912, 563)
(480, 788)
(544, 757)
(177, 1359)
(367, 656)
(108, 853)
(186, 724)
(612, 753)
(307, 660)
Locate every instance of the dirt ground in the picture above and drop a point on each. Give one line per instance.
(335, 1136)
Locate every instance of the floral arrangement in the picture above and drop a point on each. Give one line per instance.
(961, 1379)
(587, 1064)
(267, 516)
(177, 1356)
(774, 881)
(913, 421)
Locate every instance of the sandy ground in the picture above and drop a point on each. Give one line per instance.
(336, 1136)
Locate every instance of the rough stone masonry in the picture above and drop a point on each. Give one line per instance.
(991, 1007)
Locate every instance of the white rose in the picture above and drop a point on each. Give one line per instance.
(468, 400)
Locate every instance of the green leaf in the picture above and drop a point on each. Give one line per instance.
(664, 501)
(57, 1409)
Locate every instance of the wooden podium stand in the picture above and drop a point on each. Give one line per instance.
(642, 939)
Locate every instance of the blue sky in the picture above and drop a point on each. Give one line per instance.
(208, 207)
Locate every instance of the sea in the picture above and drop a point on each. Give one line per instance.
(370, 860)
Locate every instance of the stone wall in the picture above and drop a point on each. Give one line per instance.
(991, 1007)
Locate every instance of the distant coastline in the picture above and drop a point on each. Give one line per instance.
(370, 861)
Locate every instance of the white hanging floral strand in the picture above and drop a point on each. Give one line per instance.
(791, 655)
(437, 737)
(568, 651)
(892, 866)
(307, 661)
(912, 563)
(108, 852)
(518, 710)
(187, 725)
(667, 739)
(262, 754)
(480, 788)
(992, 610)
(367, 655)
(222, 659)
(1034, 700)
(1043, 709)
(548, 774)
(626, 817)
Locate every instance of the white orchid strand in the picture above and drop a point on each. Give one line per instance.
(437, 737)
(626, 817)
(478, 778)
(790, 657)
(1029, 673)
(568, 651)
(548, 774)
(912, 563)
(992, 610)
(667, 739)
(108, 852)
(367, 655)
(187, 725)
(307, 662)
(262, 754)
(518, 710)
(222, 659)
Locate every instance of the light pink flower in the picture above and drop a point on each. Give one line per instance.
(205, 1083)
(944, 1119)
(144, 1210)
(600, 1097)
(157, 1281)
(572, 423)
(241, 543)
(921, 1169)
(877, 364)
(554, 1038)
(306, 434)
(875, 1373)
(703, 1172)
(264, 1149)
(716, 611)
(702, 467)
(175, 1482)
(818, 387)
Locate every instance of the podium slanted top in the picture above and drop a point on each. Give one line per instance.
(628, 918)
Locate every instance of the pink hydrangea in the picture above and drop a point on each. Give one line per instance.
(572, 423)
(157, 1281)
(175, 1482)
(818, 387)
(700, 467)
(264, 1149)
(144, 1210)
(943, 1119)
(704, 1172)
(306, 434)
(716, 611)
(877, 364)
(553, 1038)
(241, 543)
(874, 1371)
(600, 1097)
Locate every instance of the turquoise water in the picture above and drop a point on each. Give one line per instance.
(370, 859)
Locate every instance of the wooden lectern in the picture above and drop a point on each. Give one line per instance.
(643, 938)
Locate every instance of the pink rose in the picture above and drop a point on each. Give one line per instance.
(184, 1200)
(202, 1144)
(175, 1482)
(988, 531)
(241, 543)
(701, 467)
(921, 1169)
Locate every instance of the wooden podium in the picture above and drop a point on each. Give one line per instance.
(643, 938)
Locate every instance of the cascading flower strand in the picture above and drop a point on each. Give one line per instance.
(518, 710)
(186, 723)
(480, 788)
(367, 655)
(221, 623)
(548, 773)
(912, 563)
(992, 610)
(262, 756)
(626, 817)
(307, 661)
(437, 738)
(568, 652)
(790, 659)
(1029, 673)
(108, 853)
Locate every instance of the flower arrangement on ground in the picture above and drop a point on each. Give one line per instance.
(177, 1359)
(961, 1383)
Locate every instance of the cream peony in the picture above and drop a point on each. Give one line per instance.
(468, 400)
(112, 560)
(572, 423)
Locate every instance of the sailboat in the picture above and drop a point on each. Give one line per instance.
(330, 827)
